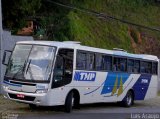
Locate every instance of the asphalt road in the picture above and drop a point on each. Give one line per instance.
(98, 112)
(149, 109)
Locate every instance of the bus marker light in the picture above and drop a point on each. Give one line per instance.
(5, 87)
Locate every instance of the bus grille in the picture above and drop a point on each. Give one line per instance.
(26, 98)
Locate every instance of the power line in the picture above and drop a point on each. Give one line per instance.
(101, 15)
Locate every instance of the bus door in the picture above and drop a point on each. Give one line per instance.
(63, 69)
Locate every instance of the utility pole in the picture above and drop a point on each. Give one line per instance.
(1, 48)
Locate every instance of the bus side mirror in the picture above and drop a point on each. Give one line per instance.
(6, 56)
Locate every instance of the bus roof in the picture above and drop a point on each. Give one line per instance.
(76, 45)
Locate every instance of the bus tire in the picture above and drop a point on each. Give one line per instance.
(128, 101)
(32, 106)
(69, 102)
(76, 103)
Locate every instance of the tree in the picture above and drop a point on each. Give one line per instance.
(15, 12)
(54, 20)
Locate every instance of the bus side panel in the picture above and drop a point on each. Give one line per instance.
(57, 96)
(107, 87)
(153, 88)
(89, 87)
(143, 84)
(121, 90)
(112, 86)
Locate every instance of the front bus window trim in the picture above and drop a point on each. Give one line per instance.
(63, 68)
(28, 60)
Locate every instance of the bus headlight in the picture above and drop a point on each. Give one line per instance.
(5, 87)
(39, 91)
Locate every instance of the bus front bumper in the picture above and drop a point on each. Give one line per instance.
(41, 99)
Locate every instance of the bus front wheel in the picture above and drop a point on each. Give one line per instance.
(32, 106)
(128, 100)
(69, 102)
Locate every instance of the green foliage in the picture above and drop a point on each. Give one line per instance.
(108, 33)
(55, 21)
(67, 24)
(61, 23)
(15, 12)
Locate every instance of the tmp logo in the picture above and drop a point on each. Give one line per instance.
(85, 76)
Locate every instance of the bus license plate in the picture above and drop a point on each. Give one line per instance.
(20, 96)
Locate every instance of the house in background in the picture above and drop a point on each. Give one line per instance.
(32, 28)
(28, 30)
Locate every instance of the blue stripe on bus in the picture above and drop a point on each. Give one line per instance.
(12, 84)
(110, 81)
(108, 84)
(141, 86)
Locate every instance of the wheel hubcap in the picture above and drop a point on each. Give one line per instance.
(72, 102)
(129, 99)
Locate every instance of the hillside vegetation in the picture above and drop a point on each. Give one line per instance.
(109, 34)
(61, 24)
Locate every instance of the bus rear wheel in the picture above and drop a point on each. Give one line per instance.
(128, 101)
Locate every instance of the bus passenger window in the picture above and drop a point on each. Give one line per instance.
(81, 63)
(90, 61)
(149, 67)
(137, 66)
(107, 63)
(130, 65)
(146, 67)
(143, 68)
(123, 63)
(154, 67)
(116, 64)
(99, 63)
(119, 64)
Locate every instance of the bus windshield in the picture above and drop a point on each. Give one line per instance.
(31, 62)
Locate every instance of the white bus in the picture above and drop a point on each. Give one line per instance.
(45, 73)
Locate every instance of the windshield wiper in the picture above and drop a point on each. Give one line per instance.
(29, 71)
(28, 66)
